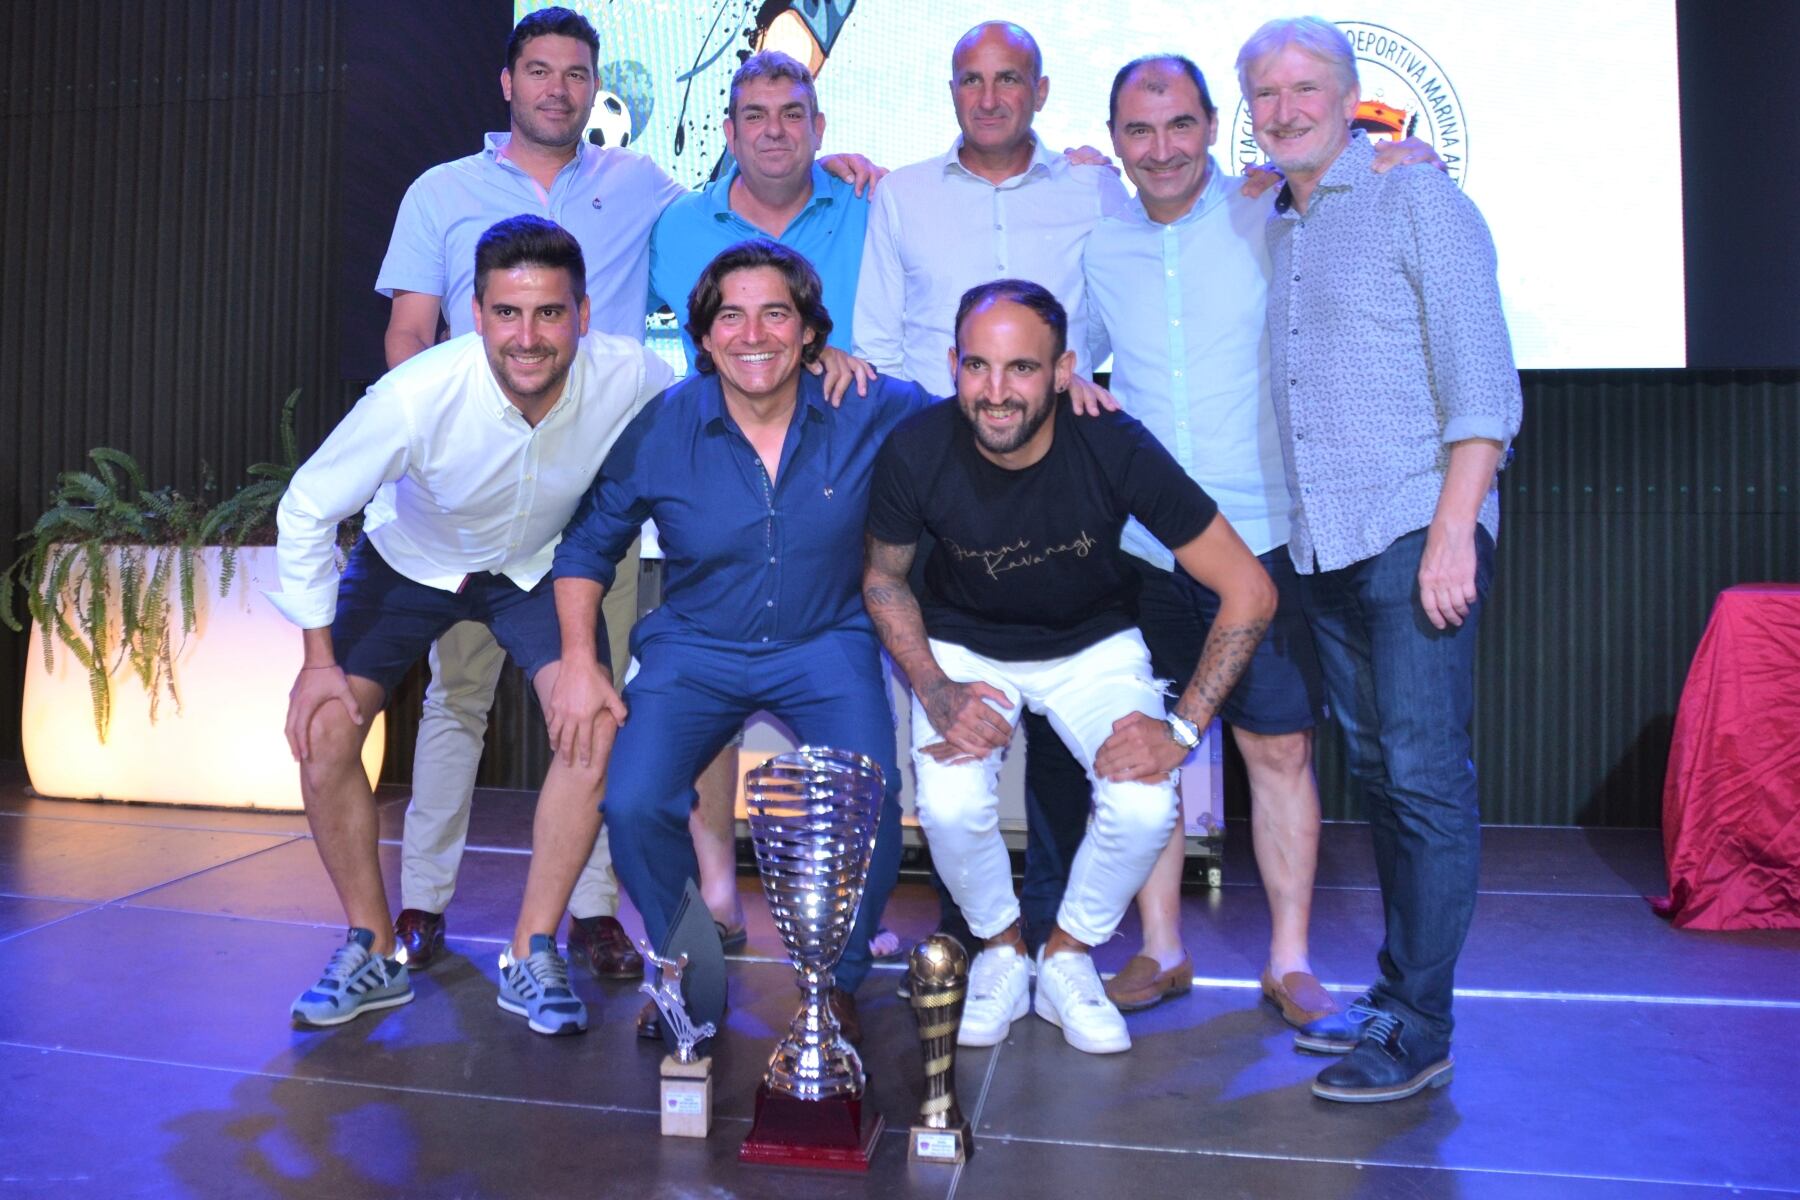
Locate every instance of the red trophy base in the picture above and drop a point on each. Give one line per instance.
(811, 1133)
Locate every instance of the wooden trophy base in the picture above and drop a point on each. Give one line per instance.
(837, 1134)
(686, 1097)
(953, 1146)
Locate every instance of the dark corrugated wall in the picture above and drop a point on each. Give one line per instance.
(170, 214)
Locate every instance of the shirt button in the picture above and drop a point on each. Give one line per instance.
(1295, 332)
(765, 637)
(1296, 279)
(1171, 273)
(1174, 320)
(1293, 383)
(770, 604)
(771, 558)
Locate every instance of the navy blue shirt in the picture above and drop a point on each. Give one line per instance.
(747, 560)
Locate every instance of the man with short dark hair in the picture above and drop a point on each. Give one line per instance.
(484, 445)
(758, 487)
(1029, 601)
(1396, 395)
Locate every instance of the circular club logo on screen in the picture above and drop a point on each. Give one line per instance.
(1404, 94)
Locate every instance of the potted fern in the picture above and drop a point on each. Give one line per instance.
(159, 671)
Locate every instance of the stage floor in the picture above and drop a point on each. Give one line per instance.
(148, 956)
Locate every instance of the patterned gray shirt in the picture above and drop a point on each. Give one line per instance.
(1387, 344)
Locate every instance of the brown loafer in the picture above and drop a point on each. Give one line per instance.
(646, 1022)
(1143, 984)
(1299, 995)
(602, 945)
(843, 1007)
(419, 936)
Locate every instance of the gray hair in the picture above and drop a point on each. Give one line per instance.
(772, 64)
(1315, 35)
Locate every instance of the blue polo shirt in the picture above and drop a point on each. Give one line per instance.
(828, 231)
(749, 561)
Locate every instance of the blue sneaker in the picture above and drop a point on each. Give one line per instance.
(537, 988)
(355, 981)
(1338, 1032)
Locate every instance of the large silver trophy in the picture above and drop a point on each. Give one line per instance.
(813, 814)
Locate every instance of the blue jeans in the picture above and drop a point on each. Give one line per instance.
(690, 695)
(1403, 693)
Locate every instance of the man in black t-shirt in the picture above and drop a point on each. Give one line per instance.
(1029, 600)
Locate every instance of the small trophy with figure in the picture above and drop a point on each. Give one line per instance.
(686, 1075)
(939, 974)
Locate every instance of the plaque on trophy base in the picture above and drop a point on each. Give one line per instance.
(812, 819)
(686, 1097)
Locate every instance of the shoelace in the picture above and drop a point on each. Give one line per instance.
(547, 972)
(1084, 986)
(985, 975)
(346, 960)
(1382, 1028)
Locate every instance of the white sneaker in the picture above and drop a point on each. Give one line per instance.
(999, 994)
(1071, 997)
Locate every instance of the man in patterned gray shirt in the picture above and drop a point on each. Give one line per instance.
(1396, 396)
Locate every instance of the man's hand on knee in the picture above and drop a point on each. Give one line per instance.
(1139, 750)
(583, 710)
(964, 715)
(314, 688)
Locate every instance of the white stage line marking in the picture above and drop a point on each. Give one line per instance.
(1524, 994)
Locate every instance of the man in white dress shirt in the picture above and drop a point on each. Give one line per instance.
(489, 441)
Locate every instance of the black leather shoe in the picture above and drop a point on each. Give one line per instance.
(419, 937)
(603, 947)
(1338, 1032)
(1391, 1062)
(843, 1007)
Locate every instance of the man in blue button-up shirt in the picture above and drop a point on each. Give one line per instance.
(759, 489)
(1396, 393)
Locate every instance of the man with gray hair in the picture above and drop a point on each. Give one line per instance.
(1396, 397)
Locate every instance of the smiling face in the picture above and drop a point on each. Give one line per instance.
(1008, 375)
(1162, 134)
(773, 131)
(551, 90)
(1300, 108)
(757, 336)
(995, 85)
(531, 324)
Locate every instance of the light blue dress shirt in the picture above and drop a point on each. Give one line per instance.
(1183, 307)
(607, 197)
(828, 231)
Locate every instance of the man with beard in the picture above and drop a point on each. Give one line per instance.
(485, 445)
(1396, 395)
(1029, 601)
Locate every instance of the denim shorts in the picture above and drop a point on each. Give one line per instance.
(1281, 690)
(385, 622)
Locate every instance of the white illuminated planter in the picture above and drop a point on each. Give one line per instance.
(224, 747)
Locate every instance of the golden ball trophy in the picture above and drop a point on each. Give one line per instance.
(939, 971)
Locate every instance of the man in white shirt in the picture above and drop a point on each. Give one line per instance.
(997, 204)
(485, 444)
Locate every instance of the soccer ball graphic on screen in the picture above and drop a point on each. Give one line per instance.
(610, 122)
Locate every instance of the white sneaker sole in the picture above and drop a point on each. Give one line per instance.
(569, 1026)
(366, 1006)
(964, 1037)
(1046, 1008)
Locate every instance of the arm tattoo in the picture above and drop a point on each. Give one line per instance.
(892, 606)
(1227, 652)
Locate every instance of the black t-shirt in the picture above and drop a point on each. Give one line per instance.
(1027, 563)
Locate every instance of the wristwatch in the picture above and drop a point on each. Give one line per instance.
(1184, 731)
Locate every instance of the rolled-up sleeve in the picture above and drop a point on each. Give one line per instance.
(1452, 264)
(370, 447)
(612, 511)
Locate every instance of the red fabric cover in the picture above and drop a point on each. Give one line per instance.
(1731, 800)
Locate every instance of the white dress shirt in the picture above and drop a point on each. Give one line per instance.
(936, 229)
(475, 487)
(1184, 309)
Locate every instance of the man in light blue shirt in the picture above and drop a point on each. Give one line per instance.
(774, 189)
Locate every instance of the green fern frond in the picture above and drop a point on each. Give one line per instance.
(105, 457)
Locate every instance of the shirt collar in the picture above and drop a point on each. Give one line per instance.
(718, 192)
(1211, 196)
(503, 409)
(811, 401)
(1043, 162)
(1351, 164)
(494, 143)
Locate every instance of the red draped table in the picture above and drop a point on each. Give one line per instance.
(1731, 800)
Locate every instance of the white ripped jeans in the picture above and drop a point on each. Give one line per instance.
(958, 804)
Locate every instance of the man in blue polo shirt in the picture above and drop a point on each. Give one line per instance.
(774, 189)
